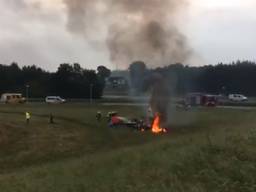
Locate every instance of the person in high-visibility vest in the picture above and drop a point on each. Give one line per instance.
(27, 117)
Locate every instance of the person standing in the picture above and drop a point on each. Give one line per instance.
(98, 116)
(51, 121)
(150, 116)
(27, 117)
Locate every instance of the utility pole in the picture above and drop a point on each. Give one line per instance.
(27, 87)
(91, 93)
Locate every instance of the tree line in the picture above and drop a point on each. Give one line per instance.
(235, 77)
(69, 81)
(73, 81)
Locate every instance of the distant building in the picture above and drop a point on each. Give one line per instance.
(116, 85)
(117, 82)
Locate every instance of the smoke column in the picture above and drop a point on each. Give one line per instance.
(132, 29)
(159, 100)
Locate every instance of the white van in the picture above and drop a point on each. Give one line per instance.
(12, 98)
(237, 97)
(54, 99)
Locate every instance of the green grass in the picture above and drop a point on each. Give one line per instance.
(206, 150)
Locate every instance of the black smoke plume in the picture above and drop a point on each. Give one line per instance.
(144, 30)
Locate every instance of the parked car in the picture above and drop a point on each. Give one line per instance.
(54, 100)
(12, 98)
(237, 97)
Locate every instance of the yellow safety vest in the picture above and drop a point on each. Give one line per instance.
(27, 115)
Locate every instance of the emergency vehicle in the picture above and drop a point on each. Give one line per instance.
(12, 98)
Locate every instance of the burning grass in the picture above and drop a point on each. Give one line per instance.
(206, 150)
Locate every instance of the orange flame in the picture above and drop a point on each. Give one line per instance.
(156, 125)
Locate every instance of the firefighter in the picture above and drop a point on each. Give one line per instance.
(98, 116)
(27, 117)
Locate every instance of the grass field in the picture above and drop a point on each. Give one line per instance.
(207, 149)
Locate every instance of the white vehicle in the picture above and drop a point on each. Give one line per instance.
(237, 97)
(54, 99)
(12, 98)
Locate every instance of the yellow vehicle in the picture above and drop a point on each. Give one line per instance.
(12, 98)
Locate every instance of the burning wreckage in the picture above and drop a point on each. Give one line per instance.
(157, 114)
(145, 124)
